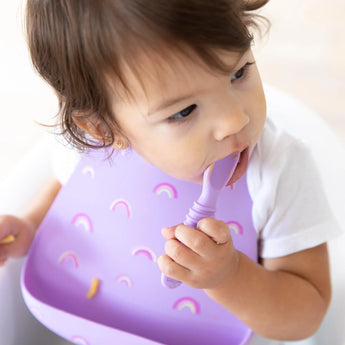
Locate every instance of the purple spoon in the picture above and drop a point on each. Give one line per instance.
(215, 178)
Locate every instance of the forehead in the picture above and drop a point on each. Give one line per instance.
(155, 77)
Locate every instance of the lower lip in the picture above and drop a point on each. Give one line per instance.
(241, 167)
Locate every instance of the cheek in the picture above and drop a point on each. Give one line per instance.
(175, 159)
(180, 156)
(258, 108)
(263, 111)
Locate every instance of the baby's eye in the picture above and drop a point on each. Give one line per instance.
(183, 113)
(241, 73)
(238, 74)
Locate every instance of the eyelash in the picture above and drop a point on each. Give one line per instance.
(184, 113)
(243, 72)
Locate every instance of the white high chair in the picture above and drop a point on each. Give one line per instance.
(18, 327)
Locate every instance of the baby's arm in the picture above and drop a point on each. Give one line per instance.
(284, 298)
(23, 228)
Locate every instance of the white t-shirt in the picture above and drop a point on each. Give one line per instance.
(290, 211)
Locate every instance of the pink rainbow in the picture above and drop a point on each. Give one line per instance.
(125, 279)
(189, 303)
(125, 152)
(79, 340)
(69, 256)
(236, 227)
(84, 221)
(36, 312)
(167, 188)
(149, 253)
(121, 202)
(89, 170)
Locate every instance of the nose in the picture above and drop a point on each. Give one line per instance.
(229, 121)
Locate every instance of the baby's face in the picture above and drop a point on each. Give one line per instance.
(187, 117)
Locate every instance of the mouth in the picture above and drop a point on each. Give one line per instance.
(241, 166)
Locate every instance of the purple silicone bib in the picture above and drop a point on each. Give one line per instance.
(91, 274)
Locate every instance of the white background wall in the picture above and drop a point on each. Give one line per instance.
(24, 98)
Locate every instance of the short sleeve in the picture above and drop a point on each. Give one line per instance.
(290, 209)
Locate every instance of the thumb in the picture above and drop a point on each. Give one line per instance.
(169, 232)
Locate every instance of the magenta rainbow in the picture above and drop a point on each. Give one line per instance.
(77, 339)
(189, 303)
(36, 312)
(125, 152)
(149, 253)
(82, 220)
(89, 171)
(166, 188)
(236, 227)
(125, 279)
(71, 256)
(121, 203)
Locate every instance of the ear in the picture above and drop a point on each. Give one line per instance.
(89, 126)
(93, 127)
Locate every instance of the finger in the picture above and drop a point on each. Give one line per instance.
(6, 251)
(7, 239)
(18, 247)
(6, 226)
(181, 254)
(169, 232)
(197, 241)
(217, 230)
(172, 269)
(3, 257)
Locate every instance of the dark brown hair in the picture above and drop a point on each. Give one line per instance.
(74, 44)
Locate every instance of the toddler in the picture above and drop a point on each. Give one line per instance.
(177, 82)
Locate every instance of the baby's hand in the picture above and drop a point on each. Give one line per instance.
(201, 258)
(19, 233)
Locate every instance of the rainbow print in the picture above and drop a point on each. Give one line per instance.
(166, 188)
(77, 339)
(70, 256)
(89, 171)
(125, 280)
(235, 227)
(189, 303)
(83, 221)
(125, 152)
(121, 203)
(37, 313)
(149, 253)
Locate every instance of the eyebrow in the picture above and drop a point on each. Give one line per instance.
(169, 102)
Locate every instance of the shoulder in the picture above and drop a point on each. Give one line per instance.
(276, 153)
(290, 210)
